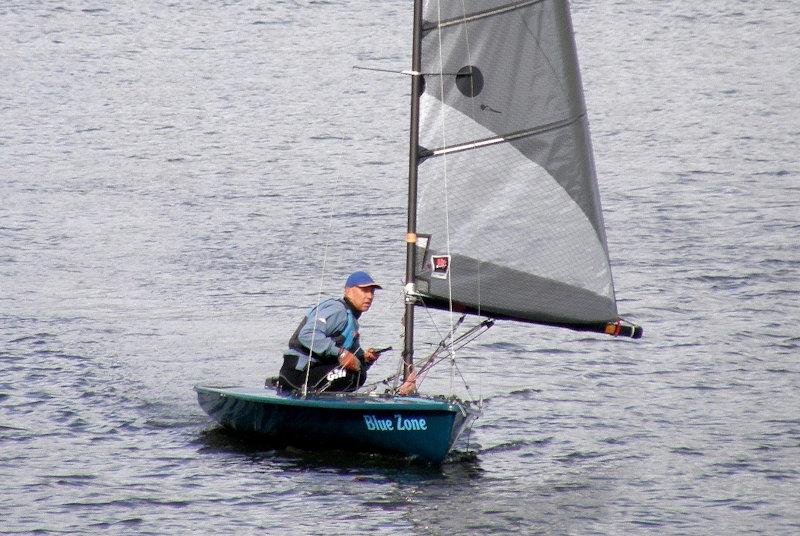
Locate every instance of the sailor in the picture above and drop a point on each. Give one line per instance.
(325, 348)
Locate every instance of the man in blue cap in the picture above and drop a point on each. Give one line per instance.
(325, 348)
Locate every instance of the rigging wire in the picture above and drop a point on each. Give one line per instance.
(331, 212)
(473, 117)
(448, 345)
(446, 197)
(321, 279)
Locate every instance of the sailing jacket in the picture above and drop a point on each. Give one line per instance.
(330, 326)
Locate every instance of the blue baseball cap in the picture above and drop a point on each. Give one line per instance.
(361, 279)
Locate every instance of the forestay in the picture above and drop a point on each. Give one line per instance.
(510, 223)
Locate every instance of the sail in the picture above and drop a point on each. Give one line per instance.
(509, 217)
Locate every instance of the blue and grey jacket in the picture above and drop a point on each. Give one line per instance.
(330, 326)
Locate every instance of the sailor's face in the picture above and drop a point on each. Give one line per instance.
(360, 297)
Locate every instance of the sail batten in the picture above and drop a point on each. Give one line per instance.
(428, 26)
(507, 195)
(503, 139)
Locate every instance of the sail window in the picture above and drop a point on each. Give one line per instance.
(469, 81)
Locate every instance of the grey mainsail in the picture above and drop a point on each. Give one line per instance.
(509, 217)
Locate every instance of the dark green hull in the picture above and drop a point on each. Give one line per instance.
(419, 428)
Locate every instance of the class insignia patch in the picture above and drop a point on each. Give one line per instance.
(441, 266)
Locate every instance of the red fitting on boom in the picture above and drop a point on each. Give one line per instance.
(622, 328)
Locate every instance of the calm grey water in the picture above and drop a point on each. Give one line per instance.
(172, 172)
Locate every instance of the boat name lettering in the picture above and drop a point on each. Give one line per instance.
(400, 423)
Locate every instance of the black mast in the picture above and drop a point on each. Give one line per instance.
(413, 160)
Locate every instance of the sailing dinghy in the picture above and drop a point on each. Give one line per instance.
(504, 221)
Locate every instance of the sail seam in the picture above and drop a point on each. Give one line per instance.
(480, 15)
(504, 139)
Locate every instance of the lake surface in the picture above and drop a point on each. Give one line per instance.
(172, 174)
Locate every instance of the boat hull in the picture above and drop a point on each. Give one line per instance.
(419, 428)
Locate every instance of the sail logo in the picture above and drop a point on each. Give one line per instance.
(441, 266)
(400, 423)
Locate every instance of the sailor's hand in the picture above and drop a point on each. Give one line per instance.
(349, 361)
(371, 355)
(409, 386)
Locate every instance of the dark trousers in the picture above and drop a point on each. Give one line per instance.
(321, 377)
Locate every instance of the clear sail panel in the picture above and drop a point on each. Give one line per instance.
(507, 191)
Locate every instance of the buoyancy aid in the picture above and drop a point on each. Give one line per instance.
(346, 337)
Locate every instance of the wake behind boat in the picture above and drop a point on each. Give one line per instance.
(504, 221)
